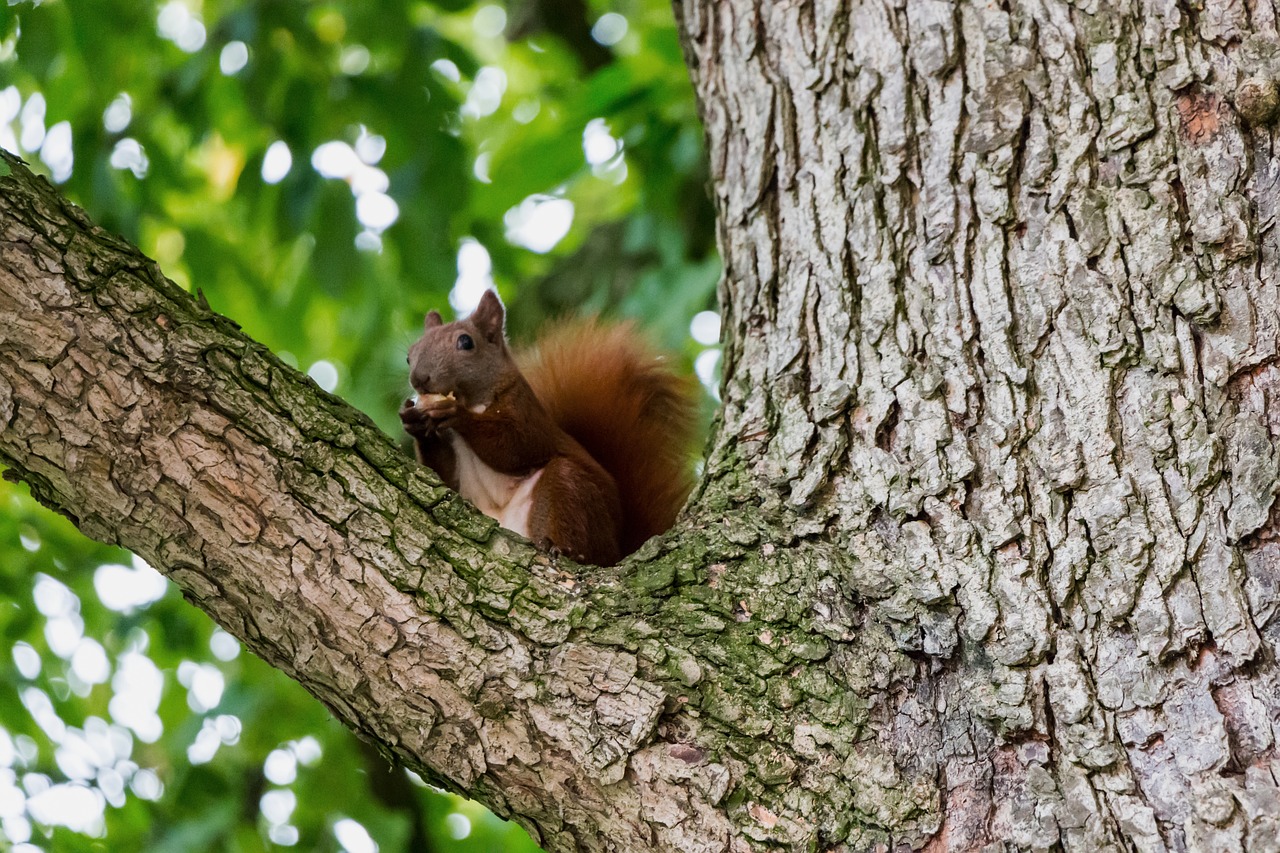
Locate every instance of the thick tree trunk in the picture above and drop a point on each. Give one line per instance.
(985, 555)
(1002, 290)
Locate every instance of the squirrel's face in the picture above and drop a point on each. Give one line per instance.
(464, 358)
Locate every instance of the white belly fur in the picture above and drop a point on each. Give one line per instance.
(500, 496)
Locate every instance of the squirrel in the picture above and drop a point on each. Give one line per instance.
(581, 445)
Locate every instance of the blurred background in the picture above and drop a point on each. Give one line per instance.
(325, 173)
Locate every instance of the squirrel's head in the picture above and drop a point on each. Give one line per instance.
(465, 358)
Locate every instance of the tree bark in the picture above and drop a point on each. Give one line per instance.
(985, 555)
(1000, 285)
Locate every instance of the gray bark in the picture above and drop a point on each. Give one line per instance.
(1002, 282)
(985, 556)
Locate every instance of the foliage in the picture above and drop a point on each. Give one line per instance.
(430, 145)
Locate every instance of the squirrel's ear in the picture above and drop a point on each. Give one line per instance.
(489, 315)
(433, 320)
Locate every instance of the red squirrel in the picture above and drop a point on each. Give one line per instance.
(582, 445)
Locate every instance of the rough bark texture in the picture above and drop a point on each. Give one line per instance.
(986, 553)
(1001, 282)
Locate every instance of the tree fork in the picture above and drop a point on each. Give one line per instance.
(602, 712)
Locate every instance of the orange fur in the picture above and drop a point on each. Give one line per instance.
(605, 386)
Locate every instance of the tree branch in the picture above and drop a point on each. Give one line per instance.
(299, 527)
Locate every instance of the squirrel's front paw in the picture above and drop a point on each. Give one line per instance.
(442, 411)
(414, 420)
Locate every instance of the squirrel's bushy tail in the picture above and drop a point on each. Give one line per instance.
(608, 388)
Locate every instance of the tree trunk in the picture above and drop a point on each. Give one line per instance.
(1000, 281)
(985, 555)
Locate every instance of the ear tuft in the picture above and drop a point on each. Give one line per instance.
(489, 316)
(433, 319)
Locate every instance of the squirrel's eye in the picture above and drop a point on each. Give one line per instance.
(465, 342)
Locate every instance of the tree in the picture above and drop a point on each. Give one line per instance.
(983, 553)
